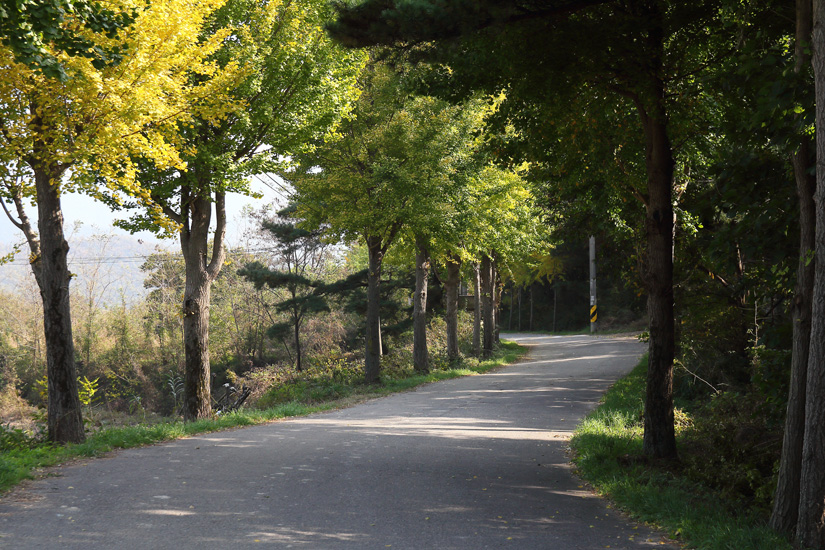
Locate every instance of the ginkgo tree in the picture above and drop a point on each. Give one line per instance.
(294, 85)
(504, 232)
(388, 168)
(82, 134)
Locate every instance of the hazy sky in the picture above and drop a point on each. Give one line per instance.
(95, 217)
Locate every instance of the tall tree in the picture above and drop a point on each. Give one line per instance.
(786, 499)
(810, 531)
(59, 136)
(294, 86)
(377, 177)
(647, 49)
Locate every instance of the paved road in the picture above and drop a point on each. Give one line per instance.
(472, 463)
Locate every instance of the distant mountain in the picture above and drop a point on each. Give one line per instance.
(106, 264)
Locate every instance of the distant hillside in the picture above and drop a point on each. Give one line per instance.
(109, 264)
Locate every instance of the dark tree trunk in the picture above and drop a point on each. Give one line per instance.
(487, 306)
(786, 497)
(297, 326)
(512, 302)
(451, 291)
(659, 432)
(196, 217)
(497, 287)
(810, 531)
(372, 362)
(421, 356)
(477, 309)
(64, 419)
(531, 306)
(519, 309)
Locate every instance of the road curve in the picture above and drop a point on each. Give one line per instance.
(465, 464)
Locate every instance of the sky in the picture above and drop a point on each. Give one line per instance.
(85, 218)
(95, 217)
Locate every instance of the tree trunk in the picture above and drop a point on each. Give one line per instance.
(476, 309)
(451, 291)
(197, 295)
(372, 362)
(659, 432)
(297, 326)
(519, 309)
(532, 285)
(497, 287)
(197, 372)
(810, 530)
(487, 306)
(64, 419)
(421, 357)
(786, 497)
(512, 302)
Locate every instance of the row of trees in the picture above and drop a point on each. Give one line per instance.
(672, 137)
(676, 95)
(199, 95)
(170, 114)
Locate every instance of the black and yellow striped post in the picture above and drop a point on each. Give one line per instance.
(593, 302)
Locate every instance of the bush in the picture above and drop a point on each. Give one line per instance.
(733, 448)
(16, 439)
(325, 378)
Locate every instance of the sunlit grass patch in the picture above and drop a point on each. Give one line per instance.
(607, 448)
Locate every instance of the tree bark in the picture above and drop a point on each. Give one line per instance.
(512, 303)
(197, 214)
(476, 309)
(659, 432)
(532, 285)
(296, 325)
(421, 356)
(372, 362)
(487, 305)
(451, 291)
(810, 531)
(64, 419)
(497, 292)
(786, 498)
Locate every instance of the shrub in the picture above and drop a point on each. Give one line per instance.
(731, 447)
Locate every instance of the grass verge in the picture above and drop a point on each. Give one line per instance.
(26, 459)
(607, 449)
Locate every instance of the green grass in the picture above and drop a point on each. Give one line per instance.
(608, 454)
(22, 461)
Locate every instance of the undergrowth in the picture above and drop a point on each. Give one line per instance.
(24, 454)
(682, 498)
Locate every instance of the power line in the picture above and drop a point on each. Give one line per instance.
(91, 260)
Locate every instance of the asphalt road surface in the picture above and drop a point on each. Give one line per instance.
(472, 463)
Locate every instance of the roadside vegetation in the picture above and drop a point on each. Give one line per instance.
(714, 498)
(24, 454)
(431, 197)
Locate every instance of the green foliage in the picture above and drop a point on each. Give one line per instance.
(688, 500)
(733, 448)
(295, 85)
(21, 461)
(327, 378)
(15, 439)
(31, 26)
